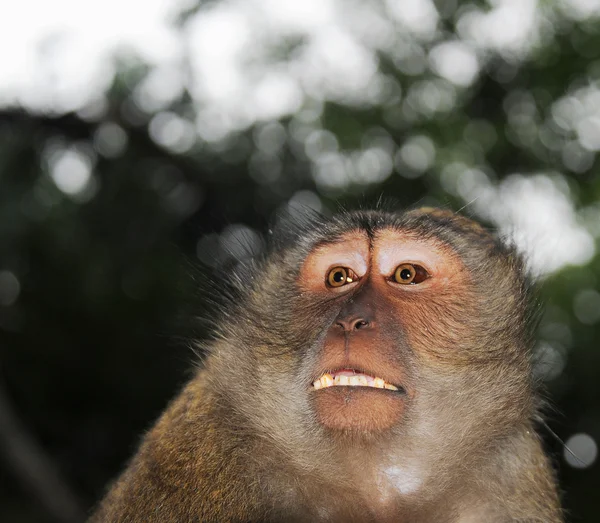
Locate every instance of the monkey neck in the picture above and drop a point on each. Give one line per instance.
(386, 482)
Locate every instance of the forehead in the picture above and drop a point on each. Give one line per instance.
(443, 228)
(367, 238)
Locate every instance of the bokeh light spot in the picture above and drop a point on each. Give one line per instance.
(456, 62)
(415, 156)
(172, 132)
(71, 171)
(549, 361)
(110, 140)
(580, 451)
(586, 306)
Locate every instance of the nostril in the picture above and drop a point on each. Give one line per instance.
(359, 324)
(352, 324)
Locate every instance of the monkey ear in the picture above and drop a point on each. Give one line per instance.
(448, 216)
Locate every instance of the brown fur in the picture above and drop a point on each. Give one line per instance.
(246, 441)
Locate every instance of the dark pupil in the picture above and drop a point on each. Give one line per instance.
(405, 274)
(338, 276)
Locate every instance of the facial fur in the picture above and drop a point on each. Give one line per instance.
(441, 341)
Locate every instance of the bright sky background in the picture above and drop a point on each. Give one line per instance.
(59, 54)
(55, 54)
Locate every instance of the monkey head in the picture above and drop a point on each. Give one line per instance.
(406, 331)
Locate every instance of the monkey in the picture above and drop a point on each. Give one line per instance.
(369, 366)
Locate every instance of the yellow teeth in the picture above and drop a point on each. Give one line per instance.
(341, 380)
(354, 380)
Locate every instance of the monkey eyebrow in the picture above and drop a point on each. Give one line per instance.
(339, 239)
(325, 242)
(340, 236)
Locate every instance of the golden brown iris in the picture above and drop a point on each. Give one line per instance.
(410, 274)
(339, 276)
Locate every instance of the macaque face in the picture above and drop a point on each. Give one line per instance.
(394, 294)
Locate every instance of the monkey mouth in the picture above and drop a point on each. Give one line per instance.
(352, 378)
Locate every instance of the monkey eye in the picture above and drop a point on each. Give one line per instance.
(339, 276)
(410, 274)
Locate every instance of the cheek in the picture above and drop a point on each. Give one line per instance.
(437, 326)
(312, 313)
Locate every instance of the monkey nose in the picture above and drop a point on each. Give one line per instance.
(352, 324)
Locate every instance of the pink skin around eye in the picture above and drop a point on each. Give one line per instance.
(352, 251)
(393, 248)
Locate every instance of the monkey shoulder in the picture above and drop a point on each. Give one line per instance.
(189, 468)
